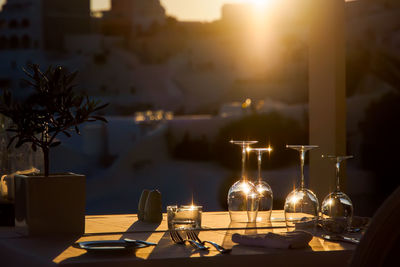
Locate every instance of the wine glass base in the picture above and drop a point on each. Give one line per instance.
(301, 208)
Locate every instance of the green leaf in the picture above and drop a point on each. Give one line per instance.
(66, 133)
(54, 144)
(100, 118)
(101, 107)
(71, 77)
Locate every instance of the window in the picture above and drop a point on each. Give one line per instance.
(25, 23)
(26, 42)
(5, 83)
(3, 42)
(14, 42)
(13, 24)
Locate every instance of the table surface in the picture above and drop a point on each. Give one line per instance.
(57, 250)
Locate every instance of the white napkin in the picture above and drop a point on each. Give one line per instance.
(295, 239)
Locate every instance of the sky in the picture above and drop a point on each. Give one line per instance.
(187, 10)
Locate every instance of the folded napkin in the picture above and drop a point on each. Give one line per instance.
(295, 239)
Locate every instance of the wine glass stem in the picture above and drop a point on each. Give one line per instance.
(302, 156)
(259, 165)
(337, 171)
(243, 161)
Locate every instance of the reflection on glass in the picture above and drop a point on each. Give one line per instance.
(337, 208)
(301, 204)
(242, 196)
(263, 188)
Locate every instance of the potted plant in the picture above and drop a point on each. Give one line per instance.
(49, 203)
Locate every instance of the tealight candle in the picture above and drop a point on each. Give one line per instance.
(184, 217)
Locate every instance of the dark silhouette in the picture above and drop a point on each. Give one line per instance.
(52, 108)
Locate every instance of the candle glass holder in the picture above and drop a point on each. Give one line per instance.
(184, 217)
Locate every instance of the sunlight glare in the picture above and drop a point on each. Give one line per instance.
(259, 3)
(261, 189)
(294, 199)
(246, 188)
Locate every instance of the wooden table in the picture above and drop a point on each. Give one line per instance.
(16, 250)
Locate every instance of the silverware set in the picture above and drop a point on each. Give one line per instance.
(192, 235)
(177, 238)
(193, 239)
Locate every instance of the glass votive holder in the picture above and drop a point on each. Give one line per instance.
(184, 217)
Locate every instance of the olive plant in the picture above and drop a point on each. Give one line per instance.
(51, 108)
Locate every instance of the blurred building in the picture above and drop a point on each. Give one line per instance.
(42, 24)
(21, 25)
(61, 18)
(129, 16)
(28, 28)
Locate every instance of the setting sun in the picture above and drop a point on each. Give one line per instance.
(259, 3)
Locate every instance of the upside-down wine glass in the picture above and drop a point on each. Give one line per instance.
(263, 188)
(301, 204)
(243, 196)
(337, 208)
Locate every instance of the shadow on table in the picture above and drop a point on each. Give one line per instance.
(41, 249)
(233, 228)
(145, 229)
(167, 248)
(102, 258)
(138, 230)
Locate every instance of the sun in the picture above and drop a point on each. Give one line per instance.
(259, 3)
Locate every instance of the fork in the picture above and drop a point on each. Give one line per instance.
(176, 237)
(191, 235)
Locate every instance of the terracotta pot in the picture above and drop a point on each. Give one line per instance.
(48, 205)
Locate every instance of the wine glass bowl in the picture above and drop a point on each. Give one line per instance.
(242, 196)
(301, 205)
(336, 212)
(337, 208)
(265, 201)
(241, 200)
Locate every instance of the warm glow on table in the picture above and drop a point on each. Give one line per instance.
(217, 228)
(95, 225)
